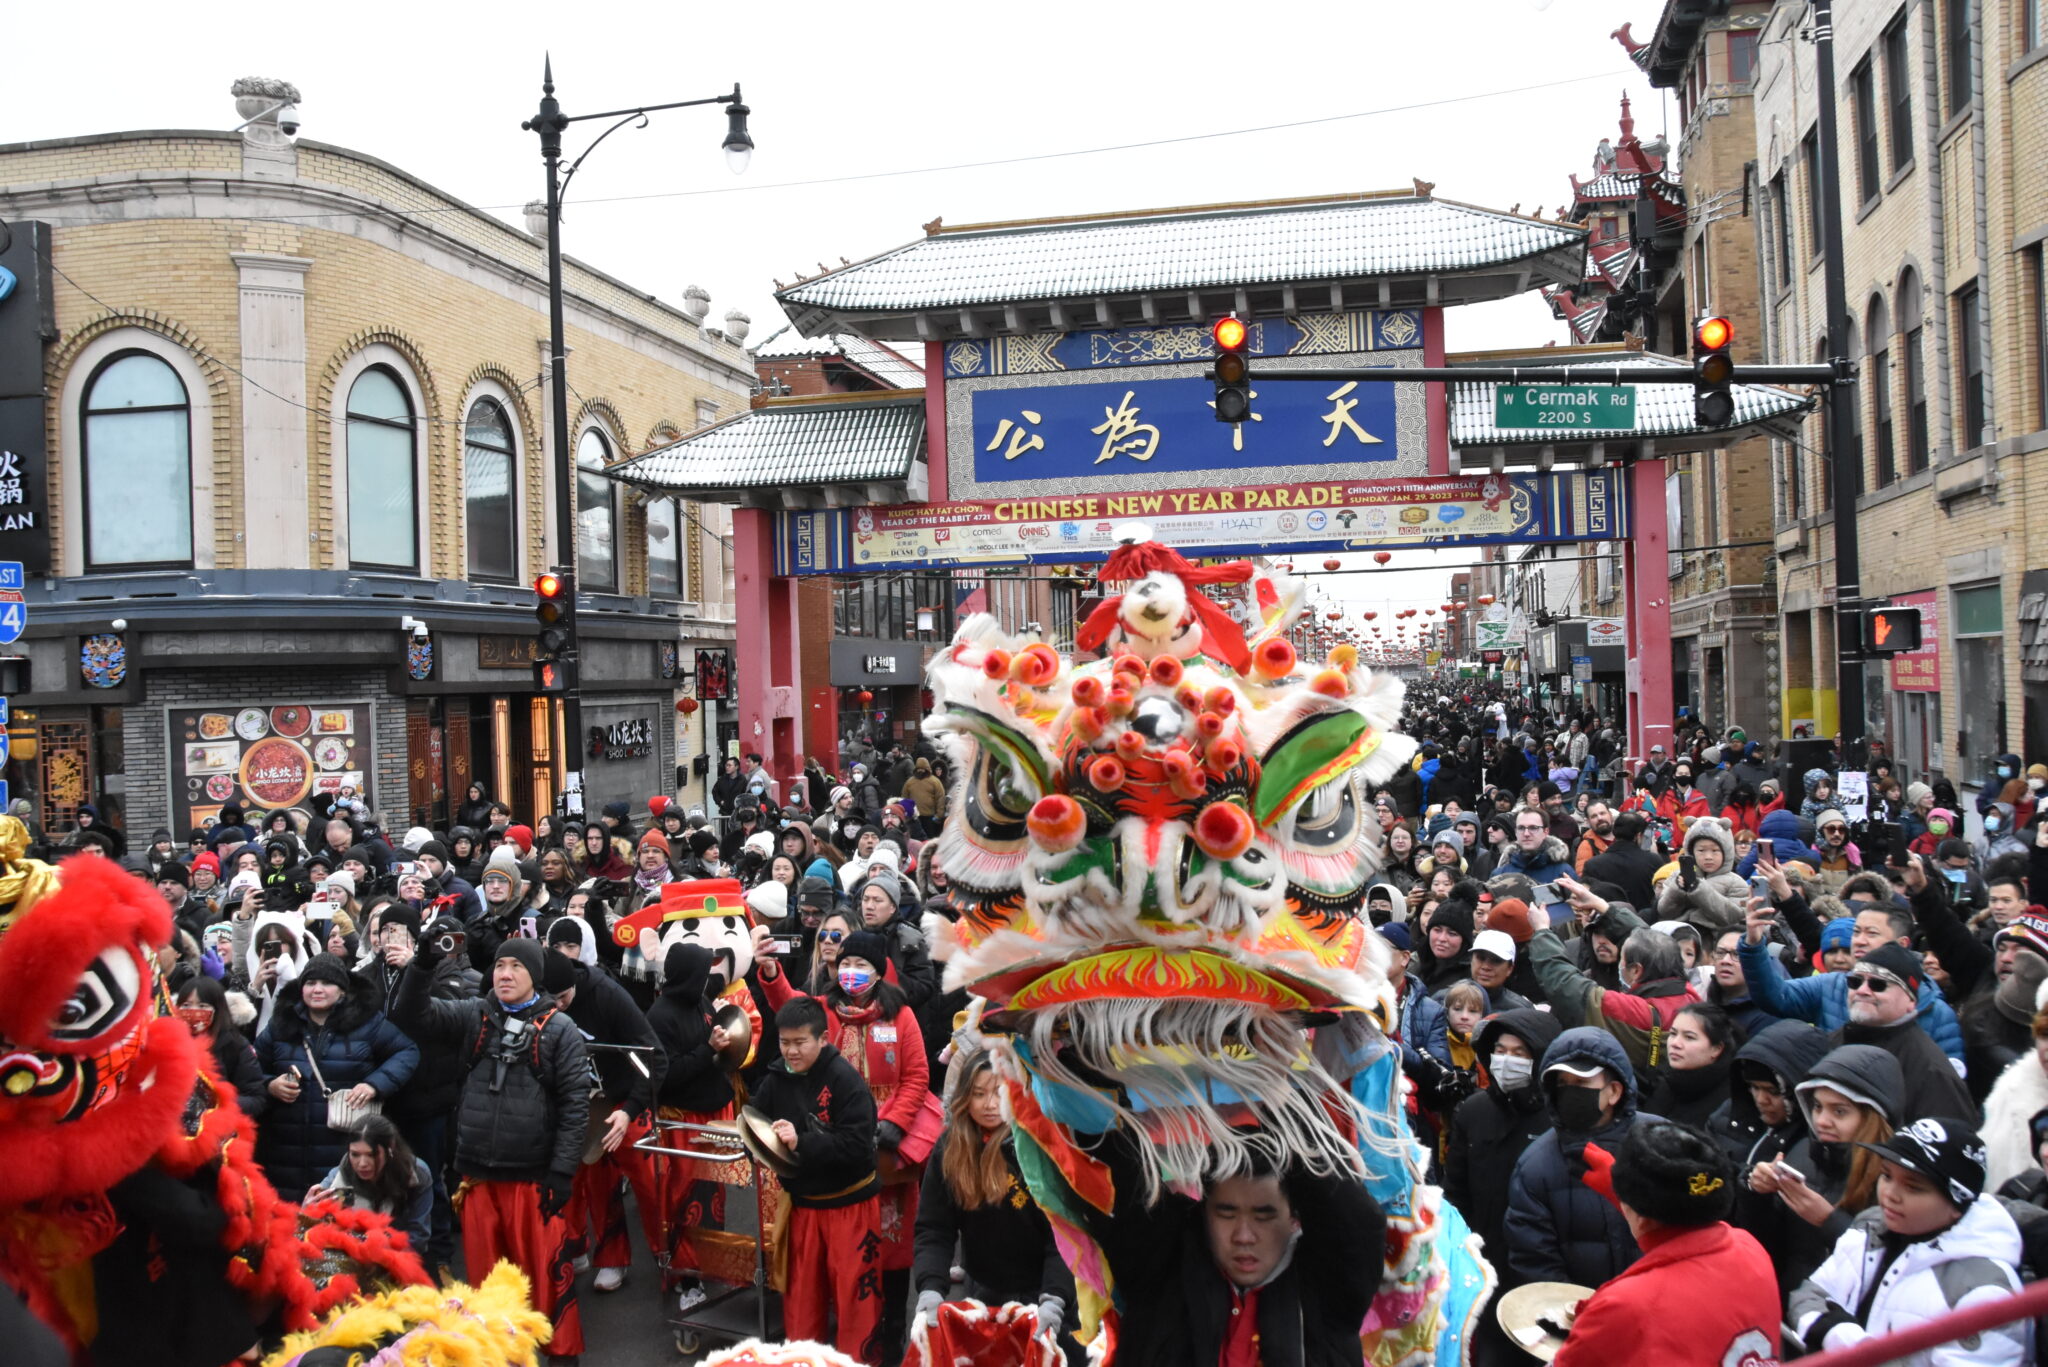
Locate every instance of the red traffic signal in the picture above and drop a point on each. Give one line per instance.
(551, 610)
(1229, 333)
(1713, 334)
(1713, 371)
(548, 586)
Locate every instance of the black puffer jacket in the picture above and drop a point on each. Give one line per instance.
(1558, 1228)
(525, 1099)
(605, 1014)
(1490, 1129)
(437, 1083)
(1787, 1049)
(681, 1018)
(357, 1044)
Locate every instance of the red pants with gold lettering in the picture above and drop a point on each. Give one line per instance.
(502, 1220)
(599, 1208)
(835, 1266)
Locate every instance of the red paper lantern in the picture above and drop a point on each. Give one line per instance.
(1333, 563)
(1382, 557)
(1335, 616)
(1486, 600)
(864, 697)
(686, 705)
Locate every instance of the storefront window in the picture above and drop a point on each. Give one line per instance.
(1979, 633)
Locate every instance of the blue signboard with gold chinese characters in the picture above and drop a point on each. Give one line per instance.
(1158, 426)
(1128, 410)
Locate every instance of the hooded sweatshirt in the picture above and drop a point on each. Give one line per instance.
(1490, 1129)
(1787, 1051)
(682, 1018)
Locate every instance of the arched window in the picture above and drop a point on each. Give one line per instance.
(383, 525)
(1877, 333)
(137, 466)
(1914, 358)
(597, 560)
(487, 492)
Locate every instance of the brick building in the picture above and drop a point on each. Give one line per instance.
(292, 481)
(1944, 186)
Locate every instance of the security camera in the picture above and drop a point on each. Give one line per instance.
(288, 120)
(415, 626)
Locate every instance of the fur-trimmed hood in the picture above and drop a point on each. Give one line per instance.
(2021, 1090)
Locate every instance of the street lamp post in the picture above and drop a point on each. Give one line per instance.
(550, 123)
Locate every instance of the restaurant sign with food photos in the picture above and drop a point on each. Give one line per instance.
(264, 758)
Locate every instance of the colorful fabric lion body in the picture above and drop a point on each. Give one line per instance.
(100, 1084)
(1157, 863)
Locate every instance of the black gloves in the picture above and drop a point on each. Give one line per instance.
(1830, 1316)
(428, 953)
(888, 1135)
(555, 1191)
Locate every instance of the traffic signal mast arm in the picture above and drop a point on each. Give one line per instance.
(1818, 374)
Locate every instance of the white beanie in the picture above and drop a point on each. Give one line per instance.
(770, 900)
(416, 837)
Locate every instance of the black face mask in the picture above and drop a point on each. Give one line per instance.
(1578, 1108)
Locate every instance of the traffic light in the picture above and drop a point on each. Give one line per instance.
(552, 592)
(551, 676)
(1232, 373)
(1713, 370)
(1890, 631)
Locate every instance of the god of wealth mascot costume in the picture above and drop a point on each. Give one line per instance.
(1157, 862)
(134, 1221)
(712, 913)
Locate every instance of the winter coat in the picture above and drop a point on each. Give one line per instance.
(1490, 1129)
(1931, 1088)
(1691, 1096)
(1654, 1313)
(1971, 1263)
(1006, 1247)
(1716, 901)
(1559, 1229)
(1549, 861)
(915, 972)
(525, 1103)
(1823, 998)
(1176, 1306)
(1789, 1049)
(414, 1216)
(1423, 1022)
(681, 1018)
(2021, 1090)
(834, 1115)
(437, 1083)
(606, 1015)
(234, 1058)
(1862, 1073)
(888, 1054)
(357, 1044)
(1638, 1019)
(925, 789)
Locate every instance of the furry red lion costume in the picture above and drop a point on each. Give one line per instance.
(116, 1134)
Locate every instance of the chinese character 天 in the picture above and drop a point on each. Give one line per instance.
(1339, 417)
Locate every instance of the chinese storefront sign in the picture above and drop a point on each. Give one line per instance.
(1919, 671)
(1214, 520)
(27, 326)
(629, 739)
(264, 758)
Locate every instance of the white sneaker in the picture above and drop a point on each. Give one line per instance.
(609, 1278)
(691, 1298)
(581, 1265)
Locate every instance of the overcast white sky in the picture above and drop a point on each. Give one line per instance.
(439, 89)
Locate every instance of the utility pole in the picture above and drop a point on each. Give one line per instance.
(1843, 449)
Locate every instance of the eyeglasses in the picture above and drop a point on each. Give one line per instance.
(1720, 954)
(831, 937)
(1528, 830)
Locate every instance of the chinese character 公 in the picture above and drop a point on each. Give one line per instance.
(1120, 431)
(1022, 438)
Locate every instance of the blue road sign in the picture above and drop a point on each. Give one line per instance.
(3, 793)
(11, 576)
(13, 617)
(6, 712)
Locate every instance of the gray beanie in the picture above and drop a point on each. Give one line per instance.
(1449, 835)
(883, 877)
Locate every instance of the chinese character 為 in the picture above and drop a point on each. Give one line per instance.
(1123, 434)
(1339, 417)
(1022, 438)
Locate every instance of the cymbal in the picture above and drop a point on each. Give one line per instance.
(1531, 1315)
(739, 1031)
(757, 1132)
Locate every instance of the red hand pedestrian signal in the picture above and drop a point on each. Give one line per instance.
(1891, 630)
(1880, 630)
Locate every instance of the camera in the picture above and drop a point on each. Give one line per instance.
(447, 943)
(272, 949)
(785, 944)
(288, 120)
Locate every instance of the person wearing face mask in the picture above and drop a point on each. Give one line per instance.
(211, 1011)
(2003, 771)
(1557, 1228)
(1937, 825)
(1490, 1129)
(1931, 1245)
(2001, 825)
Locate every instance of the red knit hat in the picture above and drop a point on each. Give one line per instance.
(208, 860)
(522, 836)
(655, 838)
(1511, 915)
(656, 805)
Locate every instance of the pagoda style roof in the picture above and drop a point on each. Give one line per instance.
(1387, 249)
(791, 452)
(887, 365)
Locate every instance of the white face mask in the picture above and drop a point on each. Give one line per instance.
(1511, 1072)
(2036, 784)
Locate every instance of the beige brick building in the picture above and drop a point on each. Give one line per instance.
(295, 395)
(1943, 122)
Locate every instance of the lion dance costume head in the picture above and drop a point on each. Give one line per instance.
(1157, 862)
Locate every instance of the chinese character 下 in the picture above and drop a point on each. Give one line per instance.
(1339, 417)
(1022, 438)
(1121, 432)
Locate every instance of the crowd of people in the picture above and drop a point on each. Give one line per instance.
(1661, 1016)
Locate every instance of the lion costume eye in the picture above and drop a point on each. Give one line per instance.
(1327, 821)
(996, 800)
(105, 994)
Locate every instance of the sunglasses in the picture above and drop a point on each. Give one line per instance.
(831, 937)
(1872, 981)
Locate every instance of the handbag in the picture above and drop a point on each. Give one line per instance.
(343, 1113)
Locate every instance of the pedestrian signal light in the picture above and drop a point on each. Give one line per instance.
(1232, 373)
(1890, 631)
(1713, 372)
(550, 676)
(551, 610)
